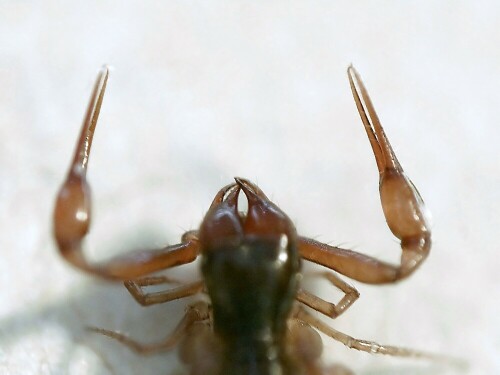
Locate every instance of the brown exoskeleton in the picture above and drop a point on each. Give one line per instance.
(255, 322)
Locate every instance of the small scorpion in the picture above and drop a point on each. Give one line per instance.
(255, 322)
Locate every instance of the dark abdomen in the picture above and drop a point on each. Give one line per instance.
(252, 287)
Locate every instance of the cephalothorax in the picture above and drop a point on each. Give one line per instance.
(255, 322)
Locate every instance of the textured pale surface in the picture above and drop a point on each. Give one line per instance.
(203, 91)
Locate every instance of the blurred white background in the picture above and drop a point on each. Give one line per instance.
(204, 91)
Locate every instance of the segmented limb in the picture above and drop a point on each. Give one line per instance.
(403, 208)
(306, 347)
(195, 313)
(327, 308)
(72, 213)
(362, 345)
(146, 299)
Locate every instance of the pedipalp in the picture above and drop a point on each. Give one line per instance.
(403, 208)
(72, 213)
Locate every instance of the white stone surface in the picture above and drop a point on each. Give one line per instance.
(206, 90)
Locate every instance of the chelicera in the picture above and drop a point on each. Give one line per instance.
(255, 321)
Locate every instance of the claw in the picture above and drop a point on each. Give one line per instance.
(73, 212)
(219, 197)
(402, 204)
(382, 149)
(252, 191)
(263, 216)
(222, 222)
(81, 157)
